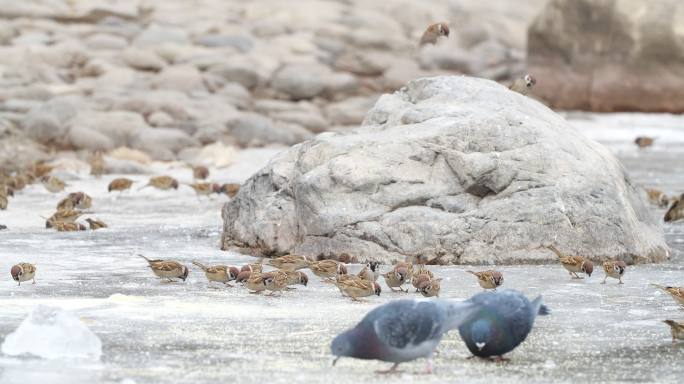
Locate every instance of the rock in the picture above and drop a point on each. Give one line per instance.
(49, 123)
(52, 333)
(241, 43)
(162, 143)
(621, 55)
(350, 111)
(89, 127)
(156, 35)
(216, 155)
(457, 169)
(106, 41)
(239, 71)
(184, 78)
(236, 94)
(81, 137)
(160, 119)
(128, 154)
(250, 129)
(301, 81)
(145, 60)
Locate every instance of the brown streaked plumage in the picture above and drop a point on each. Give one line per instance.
(677, 329)
(676, 211)
(523, 84)
(275, 281)
(23, 272)
(219, 273)
(96, 224)
(430, 287)
(167, 269)
(644, 141)
(230, 189)
(53, 184)
(370, 272)
(254, 282)
(489, 279)
(574, 264)
(289, 262)
(434, 32)
(296, 278)
(327, 269)
(205, 189)
(97, 164)
(120, 184)
(4, 202)
(200, 172)
(19, 181)
(397, 276)
(40, 169)
(68, 216)
(615, 269)
(75, 200)
(255, 267)
(162, 182)
(355, 288)
(65, 226)
(677, 293)
(657, 197)
(420, 275)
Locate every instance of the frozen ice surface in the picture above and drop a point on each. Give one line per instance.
(156, 332)
(52, 333)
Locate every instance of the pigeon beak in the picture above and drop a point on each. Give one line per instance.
(480, 346)
(335, 360)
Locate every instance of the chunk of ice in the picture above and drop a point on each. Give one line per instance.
(52, 333)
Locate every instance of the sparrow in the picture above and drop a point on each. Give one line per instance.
(420, 275)
(68, 216)
(356, 288)
(230, 189)
(657, 197)
(75, 200)
(167, 269)
(254, 282)
(23, 272)
(523, 84)
(615, 269)
(327, 269)
(6, 191)
(97, 164)
(489, 279)
(19, 182)
(40, 169)
(401, 331)
(96, 224)
(66, 226)
(676, 211)
(205, 189)
(162, 182)
(429, 287)
(677, 329)
(643, 141)
(397, 276)
(275, 281)
(200, 172)
(121, 184)
(289, 262)
(219, 273)
(297, 278)
(574, 264)
(53, 184)
(677, 293)
(3, 202)
(434, 32)
(501, 322)
(370, 272)
(256, 267)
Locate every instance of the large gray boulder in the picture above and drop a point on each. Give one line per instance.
(450, 169)
(609, 55)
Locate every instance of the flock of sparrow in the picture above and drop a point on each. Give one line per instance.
(399, 331)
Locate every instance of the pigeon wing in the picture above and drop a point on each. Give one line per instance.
(409, 322)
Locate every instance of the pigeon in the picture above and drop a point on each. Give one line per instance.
(402, 331)
(502, 321)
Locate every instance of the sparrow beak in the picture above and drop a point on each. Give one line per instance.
(335, 360)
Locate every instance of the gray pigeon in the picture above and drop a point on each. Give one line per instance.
(503, 321)
(401, 331)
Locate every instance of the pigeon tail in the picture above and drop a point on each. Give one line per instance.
(458, 312)
(538, 308)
